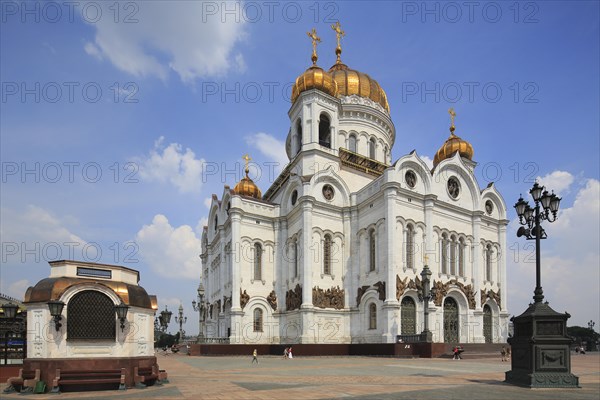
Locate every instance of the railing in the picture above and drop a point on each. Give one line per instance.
(213, 340)
(411, 338)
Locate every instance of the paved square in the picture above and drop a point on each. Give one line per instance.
(345, 377)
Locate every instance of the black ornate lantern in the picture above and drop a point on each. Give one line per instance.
(56, 308)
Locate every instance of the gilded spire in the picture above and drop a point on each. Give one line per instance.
(452, 116)
(339, 33)
(315, 39)
(247, 159)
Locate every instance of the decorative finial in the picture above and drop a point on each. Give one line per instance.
(339, 33)
(247, 159)
(452, 116)
(315, 39)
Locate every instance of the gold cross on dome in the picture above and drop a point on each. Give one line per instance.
(247, 159)
(315, 39)
(339, 33)
(452, 116)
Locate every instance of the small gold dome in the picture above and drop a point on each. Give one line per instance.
(246, 187)
(351, 82)
(451, 146)
(314, 78)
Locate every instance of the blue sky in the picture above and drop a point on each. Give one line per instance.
(162, 98)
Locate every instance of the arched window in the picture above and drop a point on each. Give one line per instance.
(410, 247)
(324, 131)
(216, 223)
(327, 255)
(258, 320)
(91, 315)
(385, 154)
(298, 136)
(444, 254)
(372, 148)
(372, 316)
(352, 142)
(372, 249)
(453, 255)
(257, 262)
(408, 316)
(488, 263)
(461, 257)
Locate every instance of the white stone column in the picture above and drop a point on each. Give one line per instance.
(236, 277)
(307, 254)
(430, 248)
(477, 278)
(306, 308)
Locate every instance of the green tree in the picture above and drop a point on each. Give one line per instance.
(583, 335)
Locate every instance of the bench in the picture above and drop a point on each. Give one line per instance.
(144, 376)
(24, 383)
(89, 377)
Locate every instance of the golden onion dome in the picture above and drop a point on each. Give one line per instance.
(351, 82)
(452, 145)
(314, 78)
(246, 187)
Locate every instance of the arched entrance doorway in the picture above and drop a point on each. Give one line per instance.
(408, 316)
(487, 323)
(450, 320)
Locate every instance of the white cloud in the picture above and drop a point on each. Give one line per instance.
(569, 262)
(93, 50)
(207, 202)
(170, 251)
(171, 164)
(559, 181)
(151, 38)
(200, 226)
(31, 237)
(270, 147)
(35, 225)
(17, 289)
(428, 161)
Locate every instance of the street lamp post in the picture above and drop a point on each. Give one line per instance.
(591, 325)
(10, 313)
(181, 320)
(540, 344)
(426, 295)
(199, 307)
(164, 319)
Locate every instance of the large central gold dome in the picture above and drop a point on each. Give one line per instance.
(351, 82)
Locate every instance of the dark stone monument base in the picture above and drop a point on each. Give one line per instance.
(542, 379)
(541, 354)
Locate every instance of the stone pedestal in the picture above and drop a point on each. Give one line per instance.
(541, 355)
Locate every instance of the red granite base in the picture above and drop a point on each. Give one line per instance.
(48, 366)
(424, 350)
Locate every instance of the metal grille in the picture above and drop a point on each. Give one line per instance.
(450, 321)
(487, 324)
(408, 315)
(91, 315)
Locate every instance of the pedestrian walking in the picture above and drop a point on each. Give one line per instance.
(285, 353)
(503, 353)
(290, 353)
(255, 356)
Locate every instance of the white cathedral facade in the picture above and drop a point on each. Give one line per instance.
(333, 251)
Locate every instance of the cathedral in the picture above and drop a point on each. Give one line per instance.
(333, 251)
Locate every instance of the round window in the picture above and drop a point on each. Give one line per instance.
(453, 187)
(489, 207)
(328, 192)
(411, 179)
